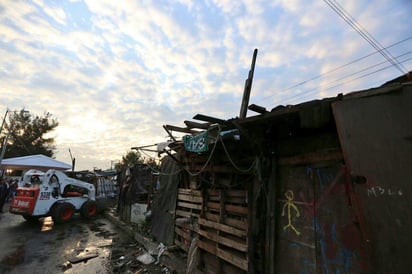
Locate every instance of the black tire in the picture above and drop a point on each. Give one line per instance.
(31, 219)
(89, 209)
(62, 213)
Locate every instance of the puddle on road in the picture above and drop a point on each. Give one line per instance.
(88, 245)
(15, 258)
(98, 227)
(47, 224)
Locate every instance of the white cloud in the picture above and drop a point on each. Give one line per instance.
(56, 13)
(228, 7)
(117, 71)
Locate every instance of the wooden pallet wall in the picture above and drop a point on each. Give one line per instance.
(188, 208)
(220, 219)
(223, 229)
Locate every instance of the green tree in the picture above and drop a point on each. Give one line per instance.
(129, 160)
(26, 134)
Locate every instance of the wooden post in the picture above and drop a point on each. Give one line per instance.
(270, 249)
(248, 87)
(252, 190)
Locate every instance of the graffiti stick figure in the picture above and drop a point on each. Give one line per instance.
(289, 203)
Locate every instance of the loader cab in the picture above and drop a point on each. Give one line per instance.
(32, 178)
(35, 180)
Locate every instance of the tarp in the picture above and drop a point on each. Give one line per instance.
(198, 143)
(39, 162)
(164, 202)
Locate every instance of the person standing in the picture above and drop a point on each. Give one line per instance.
(12, 190)
(5, 187)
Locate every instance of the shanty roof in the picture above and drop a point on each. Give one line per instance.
(39, 162)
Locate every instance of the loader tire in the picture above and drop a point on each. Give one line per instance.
(89, 209)
(62, 213)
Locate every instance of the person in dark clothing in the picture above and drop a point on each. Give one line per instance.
(5, 187)
(13, 184)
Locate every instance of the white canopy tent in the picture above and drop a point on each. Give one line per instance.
(38, 162)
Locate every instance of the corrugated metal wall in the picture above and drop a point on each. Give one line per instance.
(330, 192)
(376, 138)
(317, 230)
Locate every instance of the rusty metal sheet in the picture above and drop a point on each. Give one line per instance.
(164, 203)
(315, 222)
(376, 138)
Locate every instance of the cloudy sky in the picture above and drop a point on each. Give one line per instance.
(113, 72)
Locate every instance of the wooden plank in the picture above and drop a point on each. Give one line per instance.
(211, 217)
(189, 198)
(229, 193)
(313, 157)
(189, 205)
(258, 109)
(237, 209)
(207, 247)
(231, 269)
(233, 259)
(212, 205)
(181, 129)
(191, 124)
(211, 264)
(248, 87)
(210, 119)
(237, 200)
(224, 241)
(227, 256)
(191, 226)
(187, 214)
(210, 261)
(228, 221)
(183, 233)
(213, 192)
(222, 227)
(230, 200)
(83, 256)
(236, 193)
(230, 208)
(182, 245)
(170, 135)
(236, 223)
(189, 191)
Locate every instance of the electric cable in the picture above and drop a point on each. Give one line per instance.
(307, 94)
(333, 70)
(232, 162)
(364, 34)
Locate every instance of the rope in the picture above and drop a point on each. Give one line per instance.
(232, 162)
(210, 157)
(219, 138)
(158, 171)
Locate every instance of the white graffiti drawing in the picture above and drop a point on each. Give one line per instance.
(378, 191)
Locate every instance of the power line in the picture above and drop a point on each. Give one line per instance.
(368, 68)
(333, 70)
(365, 34)
(355, 73)
(309, 92)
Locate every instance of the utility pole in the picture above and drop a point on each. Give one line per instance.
(73, 160)
(4, 120)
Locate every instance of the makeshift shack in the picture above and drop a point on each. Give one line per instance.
(318, 187)
(136, 186)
